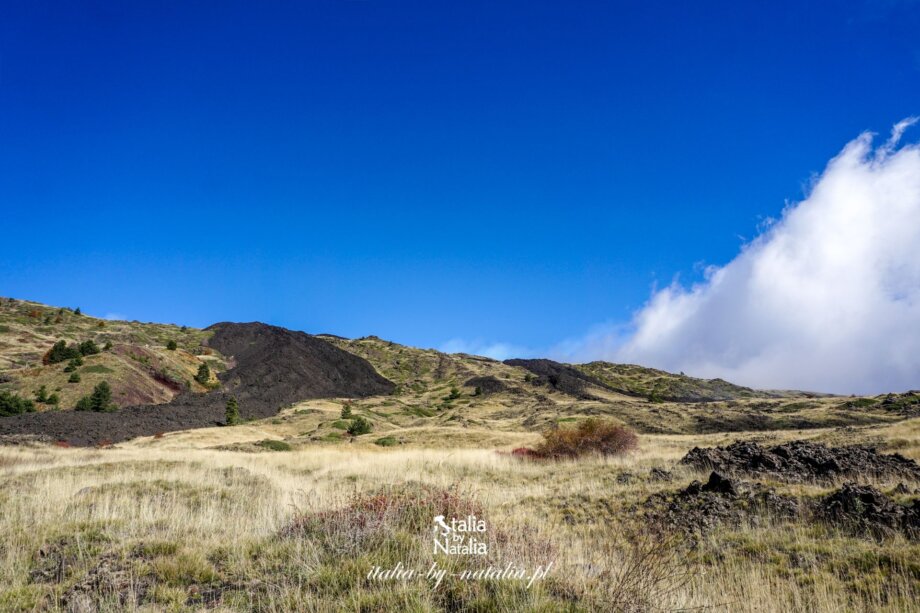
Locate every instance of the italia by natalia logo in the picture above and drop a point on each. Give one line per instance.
(460, 536)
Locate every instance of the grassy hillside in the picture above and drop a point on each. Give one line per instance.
(659, 385)
(134, 358)
(512, 399)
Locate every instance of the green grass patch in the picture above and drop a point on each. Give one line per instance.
(98, 368)
(273, 445)
(420, 411)
(387, 441)
(341, 424)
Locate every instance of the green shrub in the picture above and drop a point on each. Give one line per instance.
(88, 348)
(341, 424)
(204, 374)
(359, 426)
(11, 404)
(60, 352)
(232, 412)
(77, 311)
(84, 404)
(41, 394)
(346, 412)
(387, 441)
(54, 399)
(172, 345)
(274, 445)
(74, 377)
(100, 400)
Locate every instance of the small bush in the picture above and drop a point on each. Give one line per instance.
(346, 412)
(11, 404)
(387, 441)
(88, 348)
(60, 352)
(74, 377)
(54, 400)
(359, 426)
(73, 364)
(172, 345)
(41, 394)
(589, 436)
(100, 400)
(369, 521)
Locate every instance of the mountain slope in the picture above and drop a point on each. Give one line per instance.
(137, 363)
(271, 368)
(659, 385)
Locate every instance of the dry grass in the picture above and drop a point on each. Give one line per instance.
(182, 527)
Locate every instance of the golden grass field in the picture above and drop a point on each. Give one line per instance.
(185, 522)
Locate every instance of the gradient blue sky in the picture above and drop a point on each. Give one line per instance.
(423, 171)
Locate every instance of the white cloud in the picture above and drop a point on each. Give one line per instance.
(827, 298)
(115, 317)
(496, 351)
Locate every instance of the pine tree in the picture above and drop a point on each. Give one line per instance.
(100, 400)
(204, 374)
(346, 412)
(88, 348)
(41, 394)
(233, 412)
(359, 426)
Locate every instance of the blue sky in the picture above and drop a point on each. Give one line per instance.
(424, 171)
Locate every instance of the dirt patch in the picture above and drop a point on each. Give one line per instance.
(799, 461)
(274, 367)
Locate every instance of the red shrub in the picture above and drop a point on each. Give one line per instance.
(590, 436)
(63, 444)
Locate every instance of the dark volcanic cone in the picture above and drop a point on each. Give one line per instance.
(274, 367)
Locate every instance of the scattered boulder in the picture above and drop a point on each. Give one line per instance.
(799, 461)
(660, 474)
(700, 507)
(720, 485)
(865, 510)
